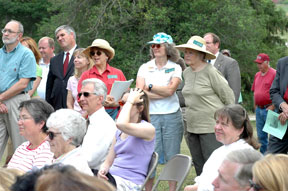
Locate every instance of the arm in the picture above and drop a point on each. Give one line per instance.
(17, 88)
(70, 100)
(105, 166)
(234, 79)
(35, 86)
(166, 91)
(141, 130)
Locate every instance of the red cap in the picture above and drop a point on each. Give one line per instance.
(262, 58)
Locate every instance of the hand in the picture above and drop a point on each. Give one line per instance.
(191, 188)
(135, 96)
(102, 173)
(271, 107)
(110, 101)
(282, 117)
(3, 108)
(284, 107)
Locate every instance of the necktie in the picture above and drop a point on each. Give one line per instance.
(65, 65)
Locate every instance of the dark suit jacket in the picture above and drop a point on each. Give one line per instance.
(56, 92)
(280, 82)
(230, 70)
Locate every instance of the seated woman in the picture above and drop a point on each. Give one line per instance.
(234, 130)
(35, 153)
(270, 173)
(133, 145)
(66, 130)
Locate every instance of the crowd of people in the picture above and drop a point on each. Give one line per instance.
(63, 130)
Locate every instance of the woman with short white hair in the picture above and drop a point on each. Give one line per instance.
(66, 130)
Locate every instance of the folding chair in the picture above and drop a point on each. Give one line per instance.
(176, 169)
(152, 166)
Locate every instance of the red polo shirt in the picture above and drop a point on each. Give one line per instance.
(109, 76)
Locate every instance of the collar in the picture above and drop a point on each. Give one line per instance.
(152, 64)
(94, 70)
(18, 45)
(71, 51)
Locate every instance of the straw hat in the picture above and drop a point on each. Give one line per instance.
(197, 43)
(103, 44)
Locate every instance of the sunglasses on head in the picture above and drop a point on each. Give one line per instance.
(155, 45)
(98, 52)
(52, 135)
(85, 94)
(255, 186)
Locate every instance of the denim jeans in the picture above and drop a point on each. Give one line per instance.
(261, 115)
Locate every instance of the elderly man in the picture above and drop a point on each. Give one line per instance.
(226, 65)
(262, 102)
(46, 47)
(279, 96)
(61, 68)
(236, 170)
(101, 128)
(18, 70)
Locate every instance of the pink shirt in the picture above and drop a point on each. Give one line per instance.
(261, 87)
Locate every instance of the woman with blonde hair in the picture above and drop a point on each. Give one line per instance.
(8, 178)
(32, 45)
(270, 173)
(82, 62)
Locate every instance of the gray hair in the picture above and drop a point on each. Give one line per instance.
(21, 28)
(68, 29)
(50, 41)
(100, 88)
(70, 123)
(245, 158)
(39, 110)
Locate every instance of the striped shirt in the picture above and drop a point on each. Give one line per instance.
(25, 159)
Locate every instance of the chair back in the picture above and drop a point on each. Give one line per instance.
(176, 169)
(152, 166)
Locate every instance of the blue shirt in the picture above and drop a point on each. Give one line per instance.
(17, 64)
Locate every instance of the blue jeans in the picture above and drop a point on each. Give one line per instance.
(261, 115)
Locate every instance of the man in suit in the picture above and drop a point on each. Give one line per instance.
(226, 65)
(61, 67)
(279, 96)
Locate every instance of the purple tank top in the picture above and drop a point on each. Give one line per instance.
(132, 158)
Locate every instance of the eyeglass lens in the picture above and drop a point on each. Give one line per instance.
(156, 45)
(98, 52)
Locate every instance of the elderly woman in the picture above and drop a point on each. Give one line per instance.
(66, 130)
(82, 62)
(270, 173)
(32, 45)
(159, 78)
(34, 153)
(205, 90)
(133, 145)
(234, 131)
(102, 53)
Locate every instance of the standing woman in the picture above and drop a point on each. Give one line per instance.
(82, 62)
(102, 53)
(31, 44)
(205, 91)
(160, 78)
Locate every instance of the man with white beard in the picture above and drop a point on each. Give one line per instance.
(18, 71)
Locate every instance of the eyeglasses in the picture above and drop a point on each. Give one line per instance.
(52, 135)
(8, 31)
(155, 45)
(255, 186)
(85, 94)
(98, 52)
(23, 118)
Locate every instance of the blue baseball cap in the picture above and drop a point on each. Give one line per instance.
(160, 38)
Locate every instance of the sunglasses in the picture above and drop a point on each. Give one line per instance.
(121, 103)
(98, 52)
(255, 186)
(85, 94)
(155, 45)
(52, 135)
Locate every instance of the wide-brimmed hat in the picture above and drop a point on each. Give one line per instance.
(197, 43)
(160, 38)
(262, 57)
(103, 44)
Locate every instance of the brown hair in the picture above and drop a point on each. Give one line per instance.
(145, 113)
(239, 119)
(33, 47)
(216, 38)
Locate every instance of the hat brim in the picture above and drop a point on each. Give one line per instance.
(259, 61)
(208, 55)
(110, 51)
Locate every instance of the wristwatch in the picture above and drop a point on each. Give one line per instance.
(150, 87)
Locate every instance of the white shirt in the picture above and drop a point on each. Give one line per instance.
(210, 168)
(70, 53)
(161, 77)
(41, 90)
(98, 138)
(214, 60)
